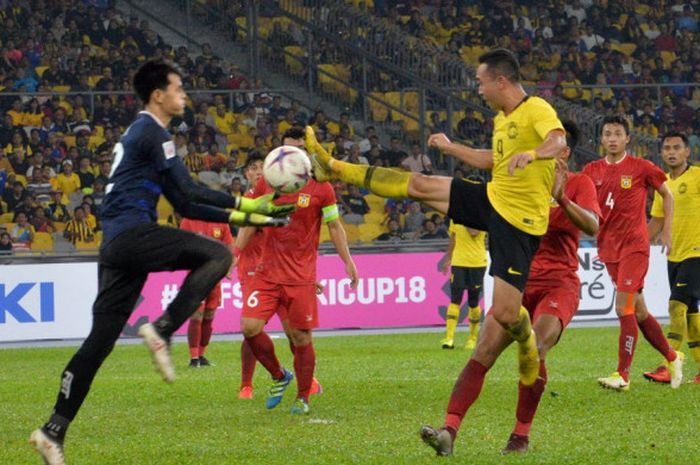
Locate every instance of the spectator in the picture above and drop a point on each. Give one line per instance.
(430, 231)
(22, 232)
(68, 181)
(213, 160)
(40, 221)
(355, 156)
(355, 206)
(414, 219)
(5, 243)
(15, 196)
(85, 173)
(394, 155)
(417, 162)
(58, 210)
(393, 232)
(78, 229)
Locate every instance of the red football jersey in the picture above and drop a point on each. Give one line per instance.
(289, 253)
(558, 249)
(248, 260)
(219, 231)
(622, 195)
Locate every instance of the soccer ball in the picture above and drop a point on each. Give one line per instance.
(287, 169)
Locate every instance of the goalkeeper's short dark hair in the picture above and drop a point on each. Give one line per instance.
(295, 132)
(153, 75)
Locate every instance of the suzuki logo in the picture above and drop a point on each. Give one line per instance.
(10, 302)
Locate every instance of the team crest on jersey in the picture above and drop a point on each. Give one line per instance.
(683, 188)
(626, 182)
(512, 130)
(217, 233)
(304, 200)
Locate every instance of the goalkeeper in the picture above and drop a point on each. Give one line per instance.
(146, 165)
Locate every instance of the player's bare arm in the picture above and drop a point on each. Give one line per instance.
(654, 227)
(340, 241)
(479, 158)
(665, 234)
(585, 220)
(445, 265)
(551, 147)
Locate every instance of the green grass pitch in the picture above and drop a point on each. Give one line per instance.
(379, 390)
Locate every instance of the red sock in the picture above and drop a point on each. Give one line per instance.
(528, 400)
(206, 334)
(626, 345)
(247, 364)
(464, 394)
(304, 365)
(291, 346)
(655, 335)
(264, 351)
(194, 336)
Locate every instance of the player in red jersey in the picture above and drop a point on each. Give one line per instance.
(247, 261)
(622, 181)
(285, 277)
(553, 287)
(200, 327)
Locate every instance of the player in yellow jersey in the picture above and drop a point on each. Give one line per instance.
(684, 258)
(513, 208)
(466, 254)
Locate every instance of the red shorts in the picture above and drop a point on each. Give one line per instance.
(247, 287)
(557, 295)
(213, 300)
(628, 274)
(298, 304)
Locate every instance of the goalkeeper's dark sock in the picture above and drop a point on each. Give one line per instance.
(56, 427)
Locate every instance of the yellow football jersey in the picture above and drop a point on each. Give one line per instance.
(523, 198)
(685, 228)
(469, 251)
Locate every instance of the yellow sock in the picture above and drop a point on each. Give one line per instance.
(474, 320)
(694, 336)
(384, 182)
(677, 325)
(521, 330)
(451, 321)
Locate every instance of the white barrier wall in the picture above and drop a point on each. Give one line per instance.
(54, 301)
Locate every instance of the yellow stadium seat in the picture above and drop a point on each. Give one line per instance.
(325, 234)
(61, 88)
(40, 70)
(352, 232)
(7, 217)
(410, 101)
(59, 226)
(264, 26)
(668, 57)
(42, 242)
(379, 110)
(369, 231)
(293, 56)
(69, 139)
(242, 24)
(21, 178)
(326, 74)
(628, 48)
(85, 246)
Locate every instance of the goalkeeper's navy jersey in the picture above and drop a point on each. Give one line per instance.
(143, 153)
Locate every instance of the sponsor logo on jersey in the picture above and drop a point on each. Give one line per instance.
(683, 188)
(626, 182)
(169, 149)
(304, 200)
(217, 233)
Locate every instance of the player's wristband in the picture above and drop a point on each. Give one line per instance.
(236, 252)
(564, 201)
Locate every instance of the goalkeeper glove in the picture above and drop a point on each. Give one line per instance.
(264, 205)
(255, 219)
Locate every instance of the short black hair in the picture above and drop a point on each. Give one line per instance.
(252, 159)
(295, 132)
(501, 61)
(153, 75)
(680, 135)
(616, 119)
(572, 134)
